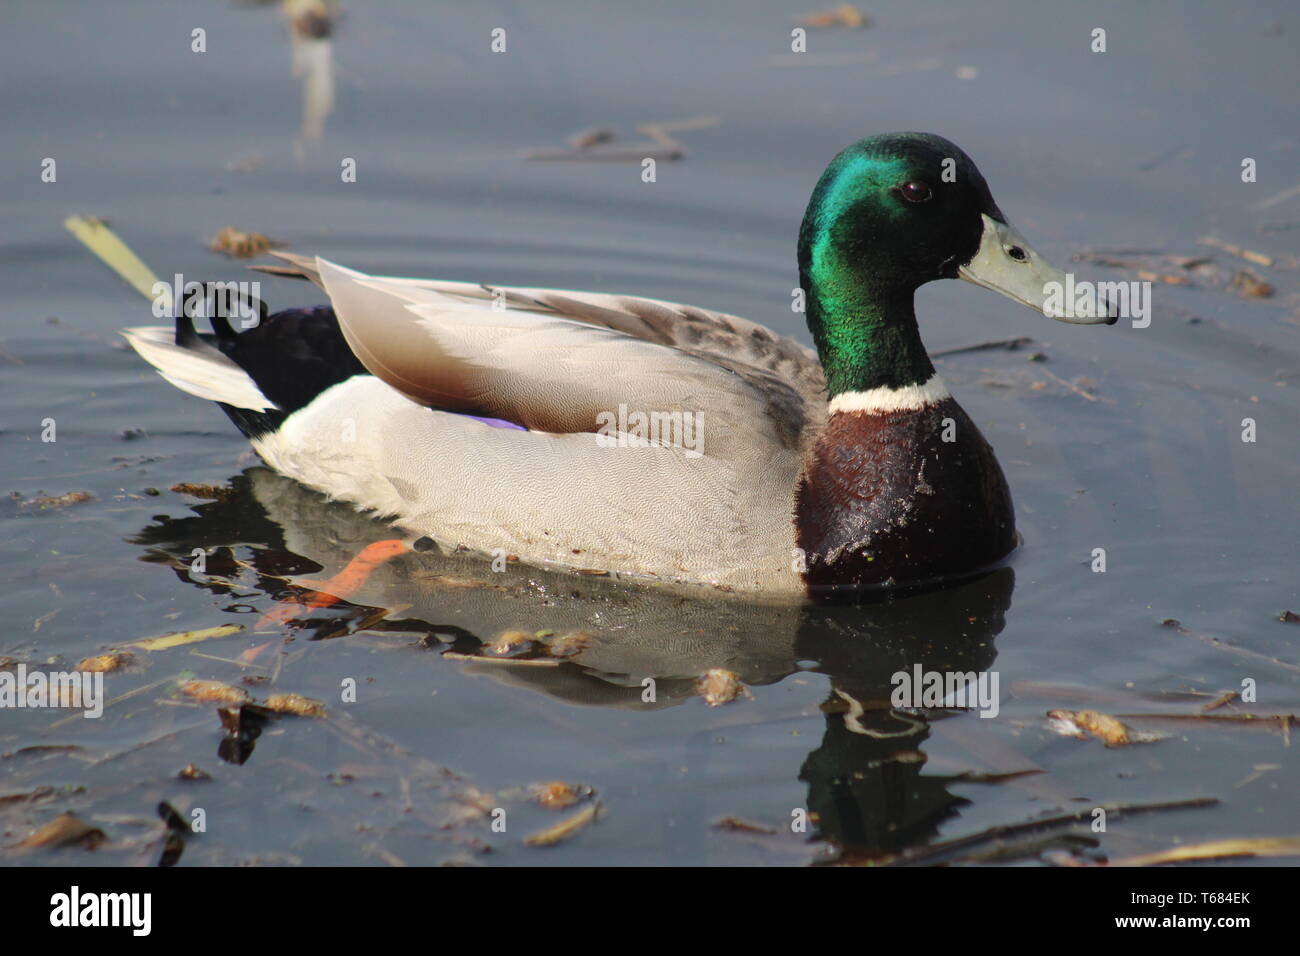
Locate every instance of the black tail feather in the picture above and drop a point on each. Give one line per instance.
(292, 356)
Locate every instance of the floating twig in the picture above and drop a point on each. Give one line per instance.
(1214, 642)
(168, 641)
(1119, 259)
(1174, 152)
(566, 828)
(1009, 344)
(1276, 198)
(1216, 850)
(591, 145)
(1282, 723)
(824, 59)
(1250, 256)
(64, 830)
(117, 700)
(103, 242)
(659, 131)
(952, 850)
(1095, 697)
(1081, 392)
(614, 154)
(516, 661)
(736, 824)
(1221, 701)
(587, 138)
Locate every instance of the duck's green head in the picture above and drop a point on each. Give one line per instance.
(890, 213)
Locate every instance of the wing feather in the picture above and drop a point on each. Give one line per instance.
(555, 368)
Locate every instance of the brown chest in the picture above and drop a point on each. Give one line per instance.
(902, 496)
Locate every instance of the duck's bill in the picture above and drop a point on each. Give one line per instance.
(1006, 263)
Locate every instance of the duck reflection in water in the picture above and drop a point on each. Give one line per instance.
(866, 790)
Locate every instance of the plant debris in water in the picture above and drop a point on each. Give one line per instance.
(567, 827)
(54, 502)
(596, 145)
(1029, 840)
(66, 829)
(237, 244)
(295, 704)
(720, 686)
(742, 826)
(846, 15)
(558, 795)
(214, 691)
(1250, 286)
(1172, 269)
(1179, 627)
(207, 492)
(1082, 723)
(104, 663)
(1216, 850)
(167, 641)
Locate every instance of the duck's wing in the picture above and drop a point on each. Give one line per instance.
(700, 489)
(773, 362)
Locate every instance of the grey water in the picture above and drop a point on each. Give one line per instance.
(1128, 440)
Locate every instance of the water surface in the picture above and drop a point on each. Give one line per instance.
(1138, 148)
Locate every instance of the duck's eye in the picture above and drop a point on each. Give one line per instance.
(916, 191)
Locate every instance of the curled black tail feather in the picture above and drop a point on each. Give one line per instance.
(292, 356)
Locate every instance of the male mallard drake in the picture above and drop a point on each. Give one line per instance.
(645, 438)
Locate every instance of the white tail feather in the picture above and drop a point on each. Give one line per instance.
(207, 373)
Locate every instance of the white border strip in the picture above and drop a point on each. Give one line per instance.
(881, 400)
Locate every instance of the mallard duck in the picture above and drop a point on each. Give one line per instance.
(646, 439)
